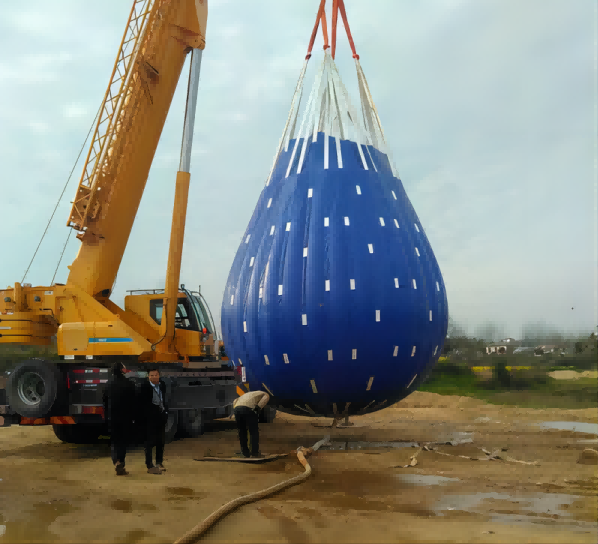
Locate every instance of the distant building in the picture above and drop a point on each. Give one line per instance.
(506, 346)
(523, 350)
(549, 349)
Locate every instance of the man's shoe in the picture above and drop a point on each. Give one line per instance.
(120, 469)
(154, 470)
(258, 456)
(161, 467)
(241, 454)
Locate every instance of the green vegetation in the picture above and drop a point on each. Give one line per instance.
(11, 355)
(516, 379)
(530, 387)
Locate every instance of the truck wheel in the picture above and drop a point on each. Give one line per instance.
(78, 433)
(34, 387)
(268, 414)
(171, 426)
(192, 423)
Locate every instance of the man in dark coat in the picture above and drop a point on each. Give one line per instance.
(119, 406)
(154, 414)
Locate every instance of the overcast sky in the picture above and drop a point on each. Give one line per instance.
(488, 108)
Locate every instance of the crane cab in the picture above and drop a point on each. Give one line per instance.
(194, 326)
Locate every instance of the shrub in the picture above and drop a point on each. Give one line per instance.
(528, 378)
(452, 368)
(501, 377)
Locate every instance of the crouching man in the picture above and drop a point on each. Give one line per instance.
(246, 410)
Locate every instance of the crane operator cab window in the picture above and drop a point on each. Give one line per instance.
(185, 316)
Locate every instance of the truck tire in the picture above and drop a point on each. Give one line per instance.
(78, 433)
(171, 426)
(34, 387)
(192, 423)
(268, 414)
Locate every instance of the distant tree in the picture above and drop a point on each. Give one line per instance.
(587, 345)
(501, 376)
(455, 330)
(490, 331)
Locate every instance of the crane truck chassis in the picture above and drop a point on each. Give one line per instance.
(68, 394)
(170, 329)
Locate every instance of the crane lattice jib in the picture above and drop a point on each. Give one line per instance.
(106, 148)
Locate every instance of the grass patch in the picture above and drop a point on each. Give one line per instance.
(464, 386)
(531, 389)
(11, 355)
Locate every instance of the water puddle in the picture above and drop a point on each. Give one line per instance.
(545, 508)
(178, 494)
(576, 426)
(184, 491)
(44, 513)
(122, 506)
(357, 445)
(454, 439)
(133, 537)
(424, 479)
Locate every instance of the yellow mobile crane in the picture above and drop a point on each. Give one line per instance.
(170, 329)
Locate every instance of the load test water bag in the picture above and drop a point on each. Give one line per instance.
(335, 303)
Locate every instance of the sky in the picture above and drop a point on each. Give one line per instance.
(489, 109)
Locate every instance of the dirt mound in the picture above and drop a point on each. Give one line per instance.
(421, 399)
(572, 374)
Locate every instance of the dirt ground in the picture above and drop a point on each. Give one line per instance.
(55, 492)
(572, 375)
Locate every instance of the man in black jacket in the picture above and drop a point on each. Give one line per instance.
(154, 412)
(119, 404)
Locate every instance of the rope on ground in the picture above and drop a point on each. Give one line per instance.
(490, 456)
(413, 460)
(495, 455)
(194, 534)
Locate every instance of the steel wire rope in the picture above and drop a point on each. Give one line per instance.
(61, 255)
(58, 204)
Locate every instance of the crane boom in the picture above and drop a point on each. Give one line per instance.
(169, 329)
(158, 36)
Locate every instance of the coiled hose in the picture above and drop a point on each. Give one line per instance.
(194, 534)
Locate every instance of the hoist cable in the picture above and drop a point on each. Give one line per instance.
(60, 198)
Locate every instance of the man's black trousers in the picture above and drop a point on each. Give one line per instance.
(248, 421)
(119, 439)
(155, 436)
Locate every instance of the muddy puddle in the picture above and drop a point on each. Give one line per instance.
(358, 445)
(454, 439)
(44, 514)
(424, 479)
(575, 426)
(543, 508)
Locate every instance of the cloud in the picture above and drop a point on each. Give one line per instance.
(75, 111)
(39, 127)
(34, 68)
(488, 108)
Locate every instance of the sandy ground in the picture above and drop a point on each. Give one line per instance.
(55, 492)
(572, 374)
